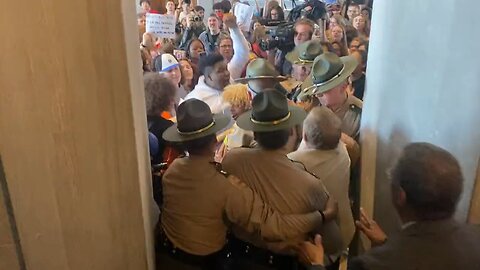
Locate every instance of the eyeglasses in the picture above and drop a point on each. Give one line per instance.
(226, 46)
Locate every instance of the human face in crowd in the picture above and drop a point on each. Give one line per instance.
(256, 25)
(359, 23)
(213, 25)
(335, 10)
(353, 11)
(185, 7)
(333, 22)
(335, 97)
(300, 72)
(201, 13)
(170, 6)
(219, 77)
(365, 14)
(274, 14)
(303, 33)
(337, 33)
(219, 13)
(236, 110)
(226, 49)
(174, 75)
(196, 48)
(354, 45)
(141, 21)
(359, 70)
(187, 70)
(146, 6)
(336, 49)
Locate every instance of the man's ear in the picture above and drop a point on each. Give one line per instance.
(399, 197)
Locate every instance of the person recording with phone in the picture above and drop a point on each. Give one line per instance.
(193, 29)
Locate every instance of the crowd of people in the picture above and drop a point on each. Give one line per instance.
(255, 149)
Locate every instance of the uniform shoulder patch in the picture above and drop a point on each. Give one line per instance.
(355, 104)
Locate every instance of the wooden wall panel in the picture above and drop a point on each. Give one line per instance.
(74, 152)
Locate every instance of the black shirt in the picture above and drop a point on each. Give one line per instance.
(359, 87)
(157, 125)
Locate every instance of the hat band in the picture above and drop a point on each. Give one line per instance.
(264, 77)
(198, 130)
(331, 79)
(302, 61)
(275, 122)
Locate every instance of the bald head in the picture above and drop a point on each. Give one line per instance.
(431, 179)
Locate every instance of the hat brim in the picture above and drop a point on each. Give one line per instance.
(246, 80)
(297, 115)
(170, 67)
(293, 57)
(172, 134)
(308, 88)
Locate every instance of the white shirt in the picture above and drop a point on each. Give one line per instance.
(241, 53)
(211, 96)
(333, 168)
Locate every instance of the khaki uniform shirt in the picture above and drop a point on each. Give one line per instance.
(333, 167)
(284, 186)
(350, 113)
(199, 202)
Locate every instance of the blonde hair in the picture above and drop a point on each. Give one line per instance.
(236, 95)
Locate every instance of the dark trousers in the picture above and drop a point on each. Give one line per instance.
(169, 257)
(247, 256)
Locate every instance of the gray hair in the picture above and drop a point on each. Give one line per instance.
(322, 129)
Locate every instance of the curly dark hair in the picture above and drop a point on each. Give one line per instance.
(159, 93)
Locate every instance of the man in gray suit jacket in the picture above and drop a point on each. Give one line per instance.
(426, 186)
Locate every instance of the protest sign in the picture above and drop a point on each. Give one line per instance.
(160, 25)
(244, 14)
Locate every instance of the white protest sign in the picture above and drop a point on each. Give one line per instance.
(244, 14)
(162, 26)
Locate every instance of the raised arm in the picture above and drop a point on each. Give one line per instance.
(241, 50)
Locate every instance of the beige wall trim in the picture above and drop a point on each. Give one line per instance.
(368, 176)
(150, 210)
(474, 214)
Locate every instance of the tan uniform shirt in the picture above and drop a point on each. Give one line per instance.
(350, 113)
(333, 167)
(197, 199)
(284, 186)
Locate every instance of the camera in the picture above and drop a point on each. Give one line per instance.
(178, 28)
(195, 18)
(311, 9)
(279, 37)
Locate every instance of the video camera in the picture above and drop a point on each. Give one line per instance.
(280, 35)
(197, 18)
(312, 9)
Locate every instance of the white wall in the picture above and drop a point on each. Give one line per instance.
(423, 85)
